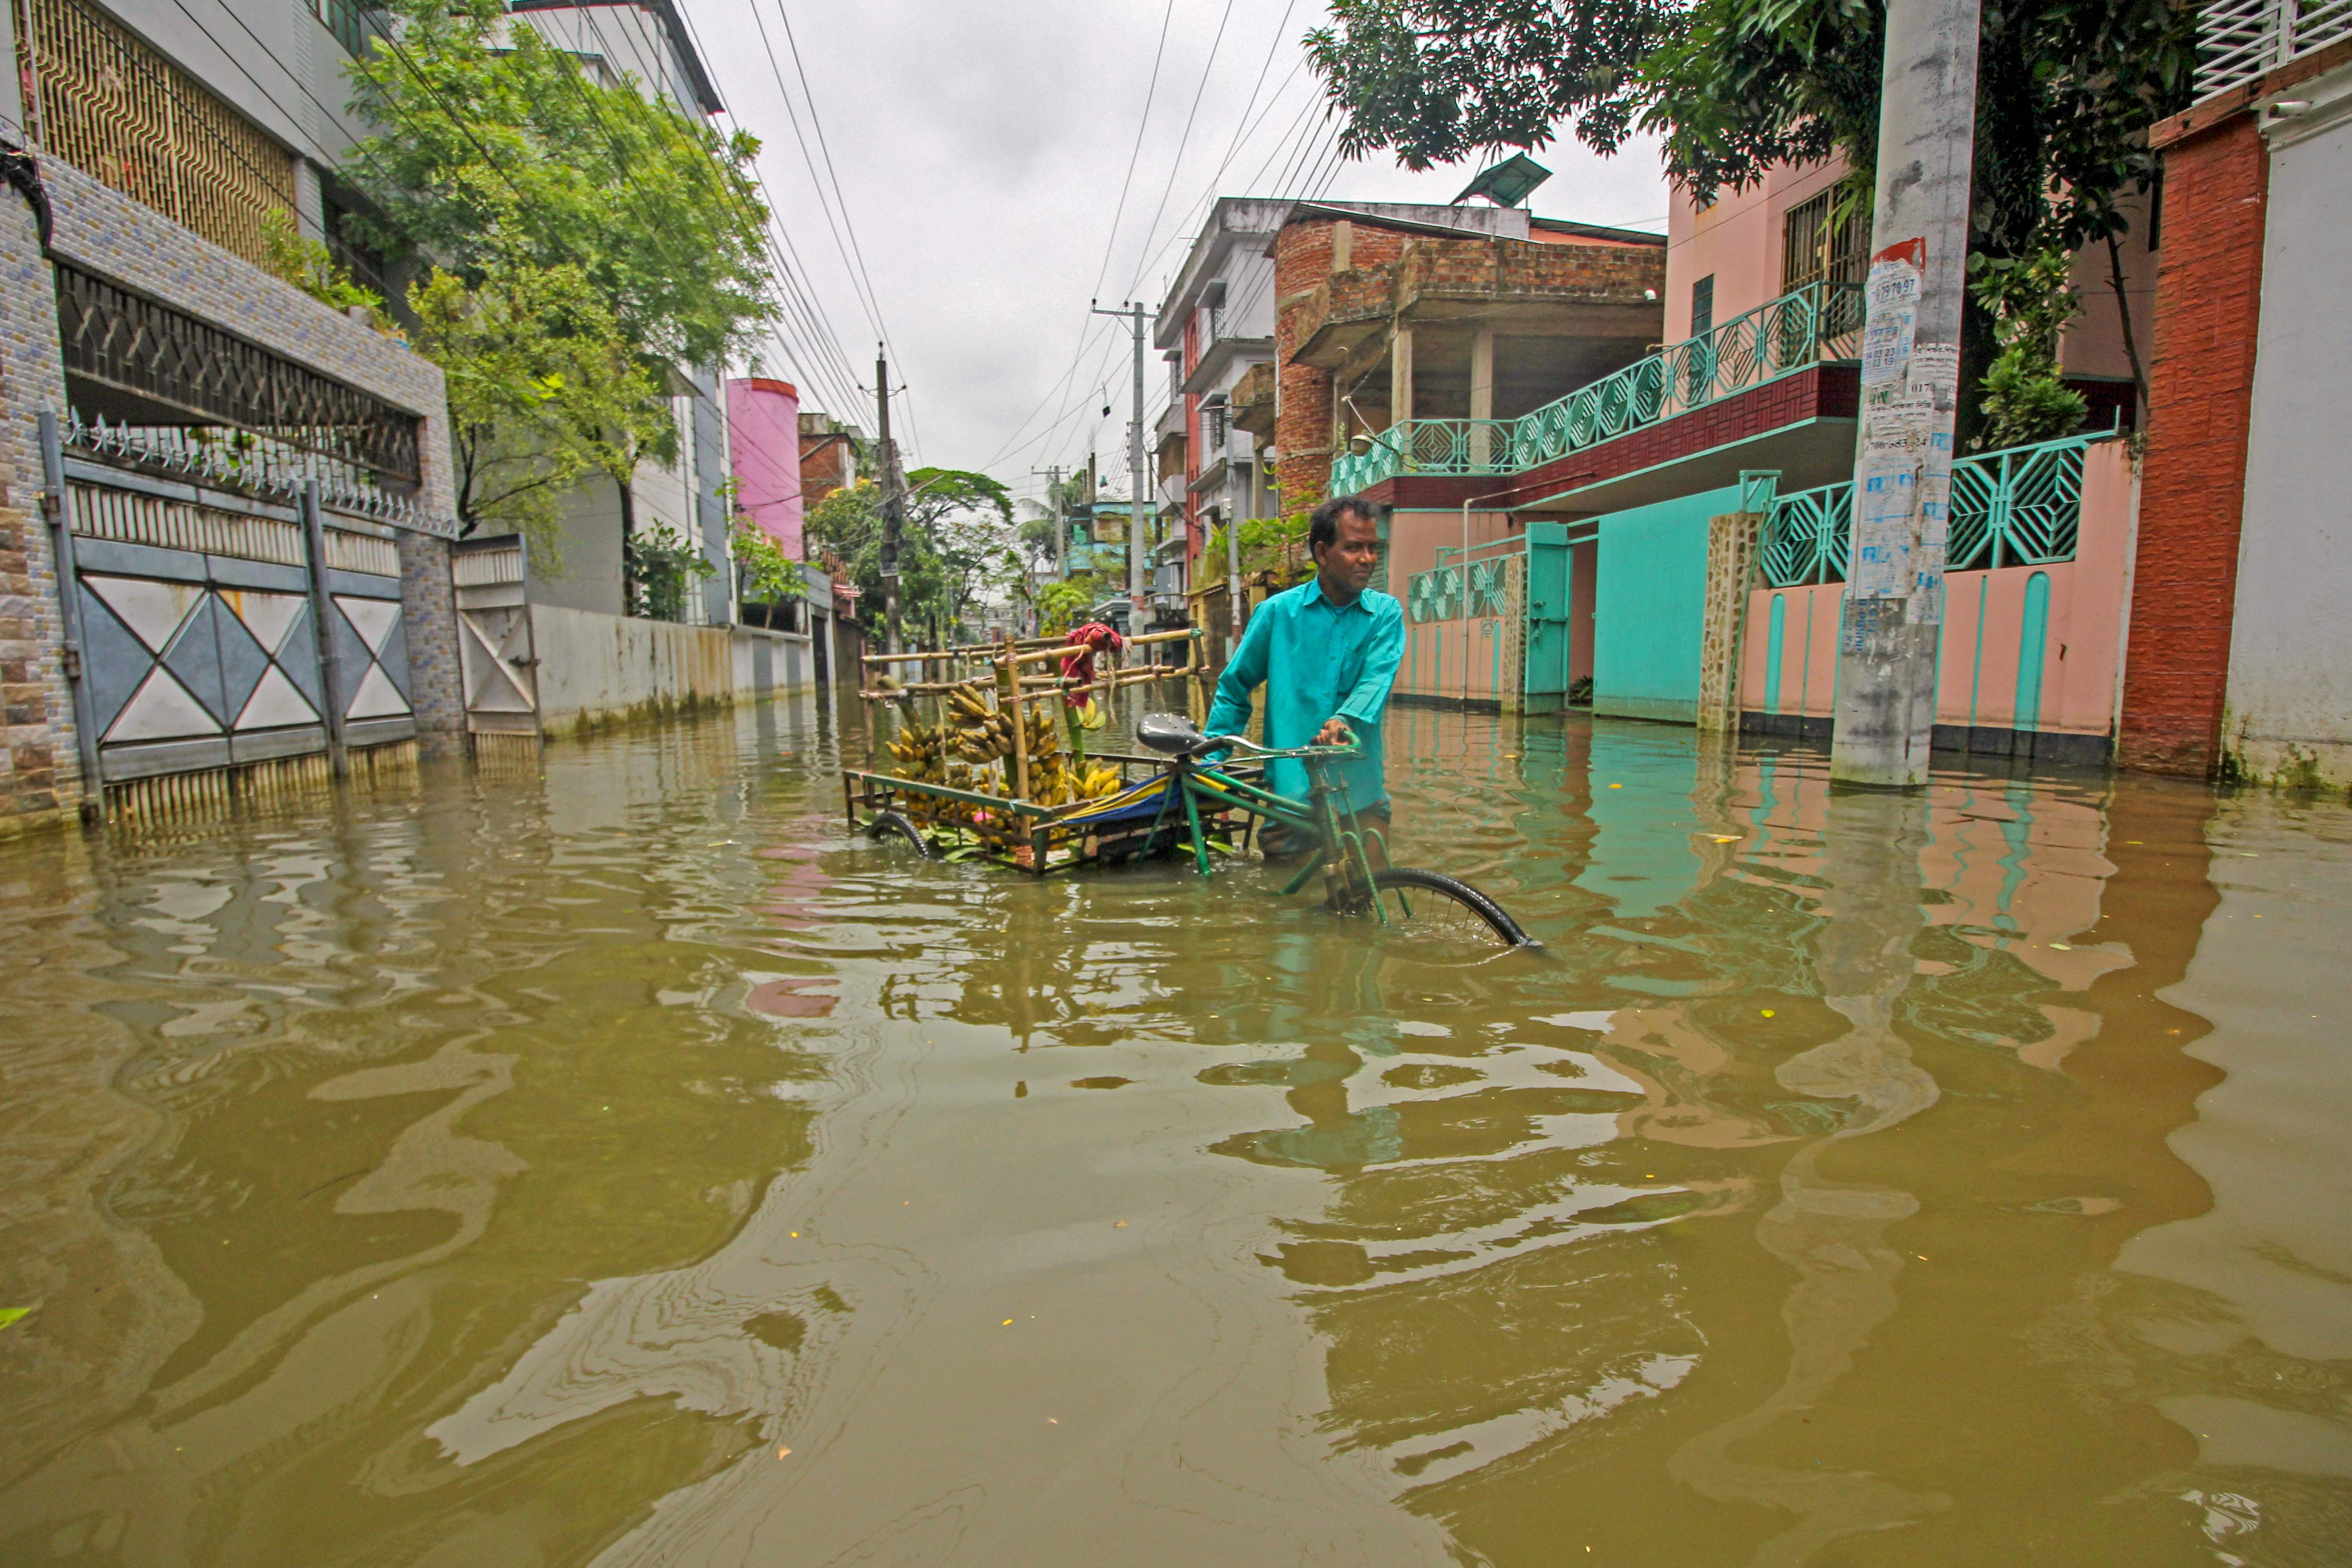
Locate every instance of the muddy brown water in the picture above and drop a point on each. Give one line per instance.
(614, 1162)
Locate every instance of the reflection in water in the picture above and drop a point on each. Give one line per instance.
(615, 1162)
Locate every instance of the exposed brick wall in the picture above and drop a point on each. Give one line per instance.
(2193, 481)
(40, 770)
(1390, 272)
(1302, 272)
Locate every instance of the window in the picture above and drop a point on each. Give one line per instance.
(1703, 306)
(1818, 244)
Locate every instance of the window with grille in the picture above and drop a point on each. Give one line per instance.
(1818, 246)
(1703, 306)
(121, 112)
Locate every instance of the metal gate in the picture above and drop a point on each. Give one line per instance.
(495, 649)
(214, 631)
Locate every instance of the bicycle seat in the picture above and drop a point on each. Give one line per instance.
(1167, 734)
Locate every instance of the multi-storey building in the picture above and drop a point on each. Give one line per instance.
(225, 516)
(1216, 327)
(1556, 542)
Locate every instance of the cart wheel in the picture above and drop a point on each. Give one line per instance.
(1432, 904)
(891, 821)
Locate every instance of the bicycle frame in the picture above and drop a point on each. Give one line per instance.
(1341, 838)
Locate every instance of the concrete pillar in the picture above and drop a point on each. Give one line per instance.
(1401, 377)
(1482, 397)
(1893, 617)
(1733, 540)
(1343, 239)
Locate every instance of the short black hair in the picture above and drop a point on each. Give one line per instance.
(1323, 528)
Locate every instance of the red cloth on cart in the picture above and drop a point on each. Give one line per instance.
(1090, 640)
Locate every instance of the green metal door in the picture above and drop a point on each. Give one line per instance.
(1547, 608)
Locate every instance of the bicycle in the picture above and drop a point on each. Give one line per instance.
(1351, 854)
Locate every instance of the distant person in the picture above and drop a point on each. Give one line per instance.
(1327, 652)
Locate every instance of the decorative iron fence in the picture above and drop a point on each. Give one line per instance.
(121, 112)
(1821, 323)
(2242, 39)
(2021, 507)
(256, 465)
(138, 348)
(1435, 595)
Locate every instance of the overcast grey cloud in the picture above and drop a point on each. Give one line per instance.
(980, 151)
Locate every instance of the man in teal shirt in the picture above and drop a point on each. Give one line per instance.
(1327, 652)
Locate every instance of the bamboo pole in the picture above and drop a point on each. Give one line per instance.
(1010, 700)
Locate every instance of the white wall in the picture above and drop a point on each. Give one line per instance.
(601, 670)
(2289, 715)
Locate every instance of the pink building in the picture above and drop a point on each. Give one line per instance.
(763, 442)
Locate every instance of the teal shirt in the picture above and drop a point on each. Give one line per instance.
(1317, 662)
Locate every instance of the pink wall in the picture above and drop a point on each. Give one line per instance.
(1435, 651)
(764, 450)
(1736, 239)
(1984, 613)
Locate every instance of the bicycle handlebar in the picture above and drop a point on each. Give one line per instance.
(1329, 754)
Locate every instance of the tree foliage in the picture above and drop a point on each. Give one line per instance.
(542, 391)
(954, 546)
(582, 240)
(2067, 91)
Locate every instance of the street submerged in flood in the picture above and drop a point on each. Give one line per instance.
(615, 1161)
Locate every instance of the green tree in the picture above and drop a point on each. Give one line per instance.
(543, 389)
(583, 240)
(2066, 92)
(958, 527)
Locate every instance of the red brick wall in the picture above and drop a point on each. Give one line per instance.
(1302, 428)
(2193, 481)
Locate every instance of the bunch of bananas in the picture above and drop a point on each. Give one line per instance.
(920, 750)
(1061, 780)
(981, 734)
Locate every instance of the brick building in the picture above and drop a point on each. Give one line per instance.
(1389, 313)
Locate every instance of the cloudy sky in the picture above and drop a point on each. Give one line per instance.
(979, 152)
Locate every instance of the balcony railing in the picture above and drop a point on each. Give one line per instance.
(1819, 323)
(2022, 507)
(2241, 39)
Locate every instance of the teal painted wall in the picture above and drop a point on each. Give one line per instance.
(1650, 607)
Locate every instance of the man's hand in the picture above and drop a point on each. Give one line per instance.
(1335, 733)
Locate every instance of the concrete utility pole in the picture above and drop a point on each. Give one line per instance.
(1140, 466)
(894, 508)
(1893, 619)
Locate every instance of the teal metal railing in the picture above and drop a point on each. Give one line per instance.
(2020, 507)
(1818, 323)
(1438, 595)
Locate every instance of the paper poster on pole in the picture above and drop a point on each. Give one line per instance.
(1897, 430)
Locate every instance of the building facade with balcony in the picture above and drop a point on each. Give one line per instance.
(1216, 327)
(1749, 409)
(226, 512)
(2241, 640)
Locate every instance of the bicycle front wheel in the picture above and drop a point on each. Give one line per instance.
(1433, 905)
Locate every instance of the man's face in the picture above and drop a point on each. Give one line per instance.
(1346, 564)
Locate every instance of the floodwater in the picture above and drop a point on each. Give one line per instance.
(615, 1162)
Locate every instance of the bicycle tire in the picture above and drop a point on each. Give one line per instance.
(1498, 920)
(890, 822)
